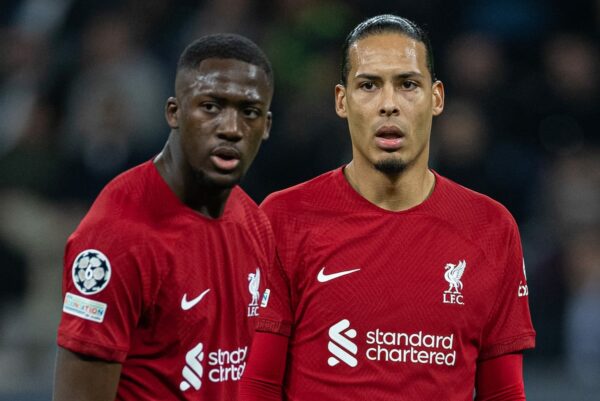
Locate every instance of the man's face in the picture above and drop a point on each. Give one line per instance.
(221, 112)
(389, 101)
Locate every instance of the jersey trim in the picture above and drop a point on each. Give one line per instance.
(89, 348)
(515, 344)
(274, 326)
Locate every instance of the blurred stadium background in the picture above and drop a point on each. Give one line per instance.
(82, 90)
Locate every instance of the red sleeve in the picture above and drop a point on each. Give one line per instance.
(275, 313)
(99, 322)
(500, 379)
(509, 328)
(263, 375)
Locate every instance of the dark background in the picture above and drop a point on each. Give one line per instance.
(82, 91)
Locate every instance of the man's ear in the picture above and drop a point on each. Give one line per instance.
(172, 112)
(268, 126)
(437, 93)
(340, 101)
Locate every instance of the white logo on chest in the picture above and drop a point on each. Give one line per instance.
(340, 345)
(221, 365)
(453, 294)
(193, 371)
(253, 287)
(323, 278)
(187, 305)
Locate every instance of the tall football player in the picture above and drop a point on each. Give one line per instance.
(162, 278)
(396, 283)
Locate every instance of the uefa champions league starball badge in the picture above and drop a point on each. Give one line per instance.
(91, 271)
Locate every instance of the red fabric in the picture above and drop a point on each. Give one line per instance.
(370, 298)
(263, 376)
(498, 379)
(183, 294)
(501, 379)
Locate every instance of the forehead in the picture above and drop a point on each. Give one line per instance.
(225, 76)
(387, 51)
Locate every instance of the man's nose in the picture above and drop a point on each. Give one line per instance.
(229, 126)
(389, 106)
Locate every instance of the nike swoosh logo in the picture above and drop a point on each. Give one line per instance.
(323, 278)
(186, 305)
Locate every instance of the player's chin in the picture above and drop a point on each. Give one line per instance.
(219, 179)
(228, 180)
(391, 164)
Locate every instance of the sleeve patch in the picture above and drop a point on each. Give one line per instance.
(91, 272)
(84, 308)
(265, 298)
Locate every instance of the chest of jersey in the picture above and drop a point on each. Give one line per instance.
(399, 297)
(199, 317)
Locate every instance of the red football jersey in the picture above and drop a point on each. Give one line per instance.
(393, 305)
(167, 292)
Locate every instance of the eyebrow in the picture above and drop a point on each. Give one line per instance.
(223, 97)
(404, 75)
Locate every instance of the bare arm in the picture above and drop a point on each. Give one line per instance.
(81, 378)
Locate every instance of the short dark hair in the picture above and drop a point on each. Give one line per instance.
(386, 23)
(225, 46)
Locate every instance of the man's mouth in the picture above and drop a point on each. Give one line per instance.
(225, 158)
(389, 138)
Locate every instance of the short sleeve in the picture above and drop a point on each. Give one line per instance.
(509, 328)
(275, 312)
(102, 298)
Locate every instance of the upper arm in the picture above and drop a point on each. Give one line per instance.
(80, 378)
(100, 321)
(265, 369)
(500, 379)
(509, 328)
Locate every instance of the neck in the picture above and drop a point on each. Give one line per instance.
(393, 192)
(171, 165)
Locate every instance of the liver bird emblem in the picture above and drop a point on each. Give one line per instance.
(453, 275)
(253, 286)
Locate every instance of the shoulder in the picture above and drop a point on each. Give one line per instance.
(305, 195)
(131, 185)
(242, 207)
(471, 210)
(240, 198)
(244, 214)
(118, 216)
(244, 211)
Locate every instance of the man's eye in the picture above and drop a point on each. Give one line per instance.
(210, 107)
(368, 86)
(409, 85)
(252, 113)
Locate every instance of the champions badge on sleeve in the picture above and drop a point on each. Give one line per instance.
(91, 271)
